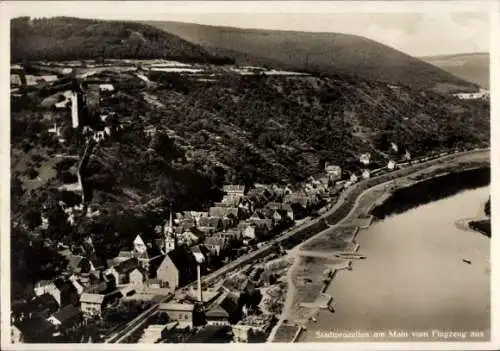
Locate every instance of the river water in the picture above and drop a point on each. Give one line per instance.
(414, 278)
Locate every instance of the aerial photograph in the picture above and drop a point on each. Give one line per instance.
(234, 177)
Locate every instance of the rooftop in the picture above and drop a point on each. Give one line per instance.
(92, 298)
(67, 313)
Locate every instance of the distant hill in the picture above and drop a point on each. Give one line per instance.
(66, 38)
(473, 67)
(324, 52)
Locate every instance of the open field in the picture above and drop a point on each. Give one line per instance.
(335, 239)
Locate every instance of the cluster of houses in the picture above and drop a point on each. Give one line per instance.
(181, 249)
(365, 161)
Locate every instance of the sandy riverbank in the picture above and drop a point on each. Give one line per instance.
(296, 314)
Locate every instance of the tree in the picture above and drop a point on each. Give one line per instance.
(31, 173)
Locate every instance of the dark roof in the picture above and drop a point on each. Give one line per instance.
(74, 261)
(187, 223)
(182, 257)
(210, 334)
(212, 240)
(64, 285)
(127, 266)
(99, 288)
(44, 302)
(213, 222)
(223, 211)
(217, 312)
(297, 207)
(229, 302)
(67, 313)
(92, 298)
(184, 261)
(262, 223)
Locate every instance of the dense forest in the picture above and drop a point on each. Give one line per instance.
(64, 38)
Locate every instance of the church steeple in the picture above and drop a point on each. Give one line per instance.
(170, 237)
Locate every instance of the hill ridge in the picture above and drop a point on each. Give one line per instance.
(323, 51)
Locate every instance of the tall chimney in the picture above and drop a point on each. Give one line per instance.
(200, 292)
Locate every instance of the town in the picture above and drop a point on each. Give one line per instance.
(92, 298)
(164, 190)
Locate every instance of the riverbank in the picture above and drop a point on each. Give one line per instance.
(341, 237)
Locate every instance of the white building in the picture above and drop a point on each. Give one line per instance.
(74, 110)
(391, 165)
(106, 87)
(365, 158)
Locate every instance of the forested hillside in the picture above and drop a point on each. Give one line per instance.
(65, 38)
(320, 52)
(226, 129)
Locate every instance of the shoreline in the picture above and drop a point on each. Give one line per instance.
(293, 307)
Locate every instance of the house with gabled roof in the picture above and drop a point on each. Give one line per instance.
(150, 259)
(225, 310)
(265, 222)
(178, 268)
(120, 273)
(210, 224)
(233, 235)
(191, 237)
(65, 318)
(62, 290)
(254, 229)
(216, 244)
(137, 277)
(92, 304)
(231, 200)
(234, 189)
(78, 264)
(44, 286)
(180, 312)
(216, 315)
(283, 208)
(222, 212)
(365, 158)
(333, 171)
(196, 215)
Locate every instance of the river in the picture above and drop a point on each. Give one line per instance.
(414, 278)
